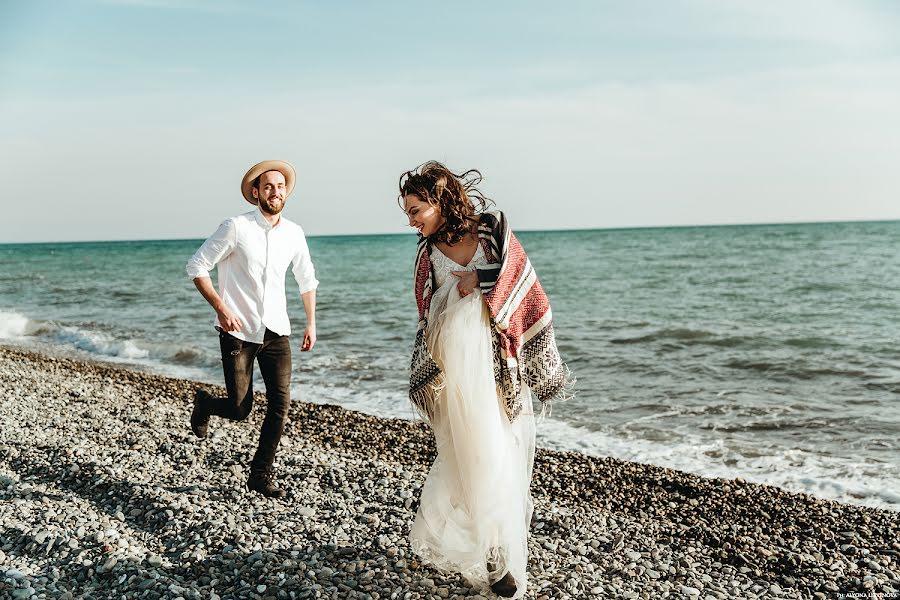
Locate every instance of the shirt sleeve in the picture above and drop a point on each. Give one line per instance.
(218, 246)
(304, 271)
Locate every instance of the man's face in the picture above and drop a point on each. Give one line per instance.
(271, 192)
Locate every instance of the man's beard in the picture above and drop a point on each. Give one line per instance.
(265, 207)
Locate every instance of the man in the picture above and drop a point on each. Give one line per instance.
(253, 251)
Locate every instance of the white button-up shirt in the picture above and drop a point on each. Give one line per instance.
(252, 258)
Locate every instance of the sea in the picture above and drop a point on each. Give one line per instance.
(765, 352)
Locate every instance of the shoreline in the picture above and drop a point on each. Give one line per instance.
(554, 434)
(101, 481)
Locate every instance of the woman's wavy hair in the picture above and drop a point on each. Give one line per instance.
(454, 194)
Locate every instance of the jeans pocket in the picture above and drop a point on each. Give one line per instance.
(230, 343)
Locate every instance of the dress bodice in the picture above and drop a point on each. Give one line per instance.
(443, 266)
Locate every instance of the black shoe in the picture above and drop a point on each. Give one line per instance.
(199, 417)
(506, 587)
(264, 483)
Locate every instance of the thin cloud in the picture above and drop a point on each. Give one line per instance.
(847, 26)
(790, 145)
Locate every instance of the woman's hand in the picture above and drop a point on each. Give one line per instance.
(468, 281)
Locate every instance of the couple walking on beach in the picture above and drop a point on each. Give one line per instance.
(484, 348)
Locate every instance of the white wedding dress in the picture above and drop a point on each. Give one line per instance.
(475, 509)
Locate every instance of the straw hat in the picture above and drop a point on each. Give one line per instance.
(283, 167)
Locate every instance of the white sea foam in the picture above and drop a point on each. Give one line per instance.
(162, 358)
(97, 342)
(381, 403)
(12, 325)
(835, 478)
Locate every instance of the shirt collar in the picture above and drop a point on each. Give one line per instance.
(263, 222)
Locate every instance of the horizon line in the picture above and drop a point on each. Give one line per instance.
(575, 229)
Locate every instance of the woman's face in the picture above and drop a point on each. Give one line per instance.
(424, 217)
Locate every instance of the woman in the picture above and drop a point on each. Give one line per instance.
(484, 346)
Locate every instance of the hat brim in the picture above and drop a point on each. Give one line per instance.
(283, 167)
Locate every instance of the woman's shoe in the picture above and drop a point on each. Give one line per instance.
(505, 587)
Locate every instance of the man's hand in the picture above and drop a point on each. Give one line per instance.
(309, 338)
(468, 281)
(228, 320)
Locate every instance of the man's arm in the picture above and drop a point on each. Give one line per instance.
(218, 246)
(305, 274)
(309, 335)
(227, 319)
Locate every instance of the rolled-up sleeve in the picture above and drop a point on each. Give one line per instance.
(218, 246)
(303, 269)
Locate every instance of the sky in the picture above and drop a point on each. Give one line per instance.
(136, 119)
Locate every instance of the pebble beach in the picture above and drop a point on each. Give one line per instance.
(105, 493)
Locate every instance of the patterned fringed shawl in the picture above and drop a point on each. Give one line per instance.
(524, 344)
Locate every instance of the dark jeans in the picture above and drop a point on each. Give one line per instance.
(274, 358)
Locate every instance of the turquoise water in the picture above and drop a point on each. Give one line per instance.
(764, 352)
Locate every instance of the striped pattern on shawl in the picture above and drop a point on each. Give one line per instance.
(522, 334)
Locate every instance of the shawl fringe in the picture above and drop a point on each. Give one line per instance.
(563, 394)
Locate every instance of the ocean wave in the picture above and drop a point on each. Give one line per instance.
(893, 387)
(793, 369)
(674, 338)
(812, 342)
(392, 404)
(12, 325)
(93, 340)
(188, 356)
(125, 295)
(97, 342)
(773, 424)
(21, 278)
(817, 287)
(849, 480)
(679, 333)
(686, 336)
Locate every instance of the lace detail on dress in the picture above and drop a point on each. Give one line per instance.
(443, 266)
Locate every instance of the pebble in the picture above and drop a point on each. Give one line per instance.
(108, 488)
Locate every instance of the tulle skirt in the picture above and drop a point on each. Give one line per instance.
(475, 508)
